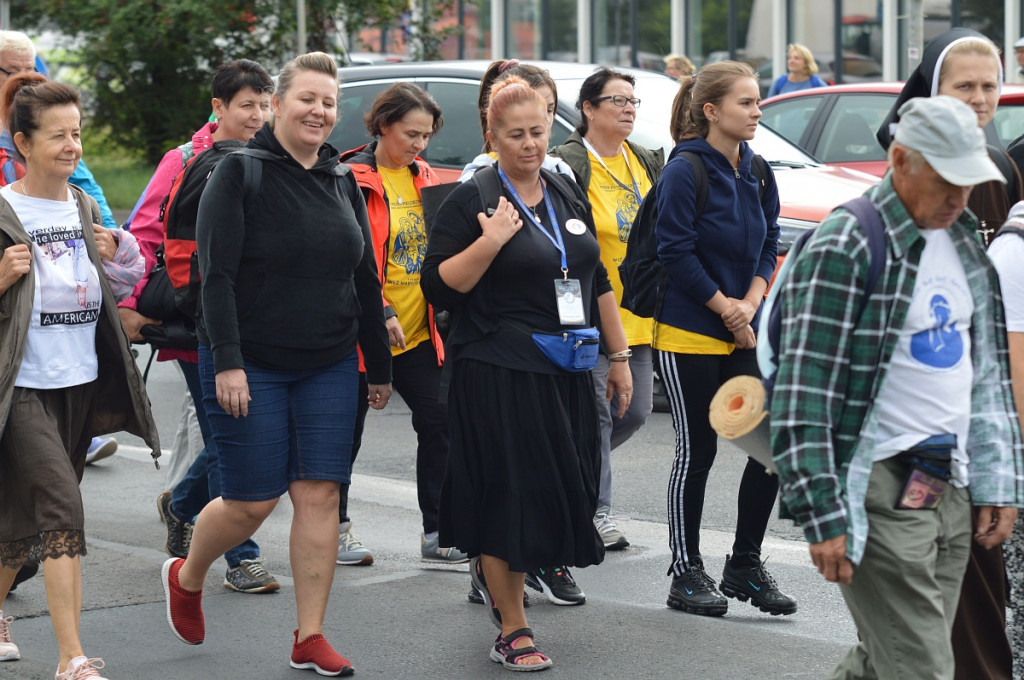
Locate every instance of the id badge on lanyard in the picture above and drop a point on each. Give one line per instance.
(568, 292)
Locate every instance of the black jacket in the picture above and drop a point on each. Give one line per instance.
(289, 279)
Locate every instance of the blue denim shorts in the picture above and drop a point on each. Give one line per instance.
(299, 426)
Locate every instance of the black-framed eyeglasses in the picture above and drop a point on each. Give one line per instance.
(619, 100)
(14, 73)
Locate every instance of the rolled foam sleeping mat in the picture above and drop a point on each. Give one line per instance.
(738, 414)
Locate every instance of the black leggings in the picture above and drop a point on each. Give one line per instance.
(691, 381)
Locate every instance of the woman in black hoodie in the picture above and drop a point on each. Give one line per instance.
(965, 64)
(289, 285)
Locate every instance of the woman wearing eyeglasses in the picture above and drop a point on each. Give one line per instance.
(615, 174)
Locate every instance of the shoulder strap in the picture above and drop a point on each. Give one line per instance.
(759, 166)
(570, 193)
(1008, 229)
(700, 181)
(871, 222)
(488, 186)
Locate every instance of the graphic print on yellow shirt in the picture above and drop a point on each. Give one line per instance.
(614, 207)
(407, 244)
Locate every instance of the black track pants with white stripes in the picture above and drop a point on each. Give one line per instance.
(691, 381)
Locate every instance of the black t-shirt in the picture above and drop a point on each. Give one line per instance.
(519, 285)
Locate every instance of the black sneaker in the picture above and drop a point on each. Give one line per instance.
(476, 597)
(695, 592)
(179, 533)
(557, 585)
(757, 585)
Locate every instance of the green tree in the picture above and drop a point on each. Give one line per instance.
(150, 62)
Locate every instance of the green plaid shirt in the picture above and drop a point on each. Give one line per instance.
(831, 367)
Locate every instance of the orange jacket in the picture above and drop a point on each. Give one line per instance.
(364, 167)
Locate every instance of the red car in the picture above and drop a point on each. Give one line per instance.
(837, 124)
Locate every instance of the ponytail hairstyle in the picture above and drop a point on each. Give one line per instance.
(507, 93)
(709, 86)
(26, 96)
(534, 76)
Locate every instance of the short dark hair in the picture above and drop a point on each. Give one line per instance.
(391, 105)
(592, 88)
(234, 76)
(24, 98)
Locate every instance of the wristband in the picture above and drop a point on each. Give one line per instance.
(621, 356)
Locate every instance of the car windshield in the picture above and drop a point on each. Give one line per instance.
(651, 128)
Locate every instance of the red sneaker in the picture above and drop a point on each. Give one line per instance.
(316, 653)
(184, 608)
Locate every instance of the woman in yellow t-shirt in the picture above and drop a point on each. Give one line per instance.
(391, 174)
(616, 174)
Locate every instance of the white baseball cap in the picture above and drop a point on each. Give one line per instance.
(945, 131)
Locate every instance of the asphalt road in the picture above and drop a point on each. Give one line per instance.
(403, 619)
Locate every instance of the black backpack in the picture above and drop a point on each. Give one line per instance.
(642, 274)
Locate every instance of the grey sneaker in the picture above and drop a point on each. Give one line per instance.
(431, 551)
(250, 576)
(351, 551)
(8, 650)
(179, 533)
(611, 535)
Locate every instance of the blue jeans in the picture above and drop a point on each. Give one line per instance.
(299, 427)
(201, 483)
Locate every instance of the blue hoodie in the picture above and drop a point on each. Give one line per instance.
(735, 239)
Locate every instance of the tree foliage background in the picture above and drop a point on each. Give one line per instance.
(149, 63)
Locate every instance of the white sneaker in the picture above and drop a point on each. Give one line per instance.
(100, 448)
(611, 535)
(351, 551)
(8, 650)
(81, 668)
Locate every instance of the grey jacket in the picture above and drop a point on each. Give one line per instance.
(121, 399)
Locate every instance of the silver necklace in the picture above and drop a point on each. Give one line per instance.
(397, 193)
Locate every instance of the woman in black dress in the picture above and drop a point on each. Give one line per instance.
(521, 487)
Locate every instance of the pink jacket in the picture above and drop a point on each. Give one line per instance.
(144, 222)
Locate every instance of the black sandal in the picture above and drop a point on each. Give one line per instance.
(508, 656)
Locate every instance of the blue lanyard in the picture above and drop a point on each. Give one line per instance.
(557, 238)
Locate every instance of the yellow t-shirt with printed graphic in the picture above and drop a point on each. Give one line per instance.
(407, 244)
(614, 208)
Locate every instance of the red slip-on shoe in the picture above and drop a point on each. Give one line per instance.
(315, 653)
(184, 608)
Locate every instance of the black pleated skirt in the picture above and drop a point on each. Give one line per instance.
(523, 467)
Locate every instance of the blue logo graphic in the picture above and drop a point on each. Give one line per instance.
(940, 346)
(625, 211)
(757, 588)
(410, 243)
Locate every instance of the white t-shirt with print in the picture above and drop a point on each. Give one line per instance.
(60, 350)
(927, 388)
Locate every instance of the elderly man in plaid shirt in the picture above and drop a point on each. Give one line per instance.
(887, 427)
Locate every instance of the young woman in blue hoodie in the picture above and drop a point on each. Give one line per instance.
(719, 263)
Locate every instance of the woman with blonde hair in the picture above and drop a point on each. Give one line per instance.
(802, 75)
(282, 312)
(718, 267)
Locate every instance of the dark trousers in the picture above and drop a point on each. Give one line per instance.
(691, 381)
(980, 647)
(417, 379)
